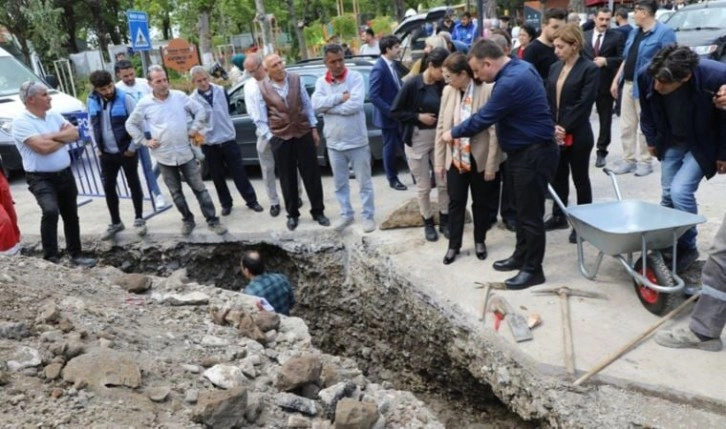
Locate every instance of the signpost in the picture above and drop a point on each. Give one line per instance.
(139, 34)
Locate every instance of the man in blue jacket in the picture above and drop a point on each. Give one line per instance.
(683, 129)
(529, 143)
(385, 82)
(108, 109)
(465, 30)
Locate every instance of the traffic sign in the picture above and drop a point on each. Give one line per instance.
(139, 30)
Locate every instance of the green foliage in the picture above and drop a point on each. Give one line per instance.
(382, 25)
(45, 19)
(345, 26)
(313, 34)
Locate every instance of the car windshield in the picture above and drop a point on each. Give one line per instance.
(12, 75)
(698, 19)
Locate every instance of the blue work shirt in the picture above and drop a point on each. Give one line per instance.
(518, 106)
(658, 37)
(27, 125)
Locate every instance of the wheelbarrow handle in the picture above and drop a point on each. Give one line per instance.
(557, 200)
(611, 174)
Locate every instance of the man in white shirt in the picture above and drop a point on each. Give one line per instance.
(137, 88)
(370, 44)
(165, 112)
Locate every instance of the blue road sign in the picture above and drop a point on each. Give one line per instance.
(139, 30)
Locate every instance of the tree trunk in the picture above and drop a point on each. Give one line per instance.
(268, 42)
(298, 30)
(399, 8)
(205, 37)
(69, 24)
(166, 26)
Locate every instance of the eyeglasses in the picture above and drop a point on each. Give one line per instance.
(25, 89)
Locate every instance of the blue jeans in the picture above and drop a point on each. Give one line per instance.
(193, 176)
(391, 145)
(680, 177)
(360, 159)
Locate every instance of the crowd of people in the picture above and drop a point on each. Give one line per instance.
(488, 118)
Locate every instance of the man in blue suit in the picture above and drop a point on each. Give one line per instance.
(385, 82)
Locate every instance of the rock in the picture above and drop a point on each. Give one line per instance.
(103, 367)
(248, 369)
(255, 360)
(298, 371)
(51, 336)
(56, 393)
(212, 341)
(13, 330)
(331, 395)
(210, 361)
(296, 421)
(193, 298)
(48, 314)
(102, 342)
(352, 414)
(254, 407)
(330, 375)
(288, 401)
(158, 394)
(249, 329)
(4, 378)
(24, 357)
(134, 283)
(52, 371)
(192, 396)
(225, 376)
(221, 409)
(322, 424)
(73, 349)
(177, 279)
(267, 320)
(194, 369)
(407, 215)
(310, 391)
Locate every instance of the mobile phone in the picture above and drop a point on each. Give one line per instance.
(567, 141)
(266, 305)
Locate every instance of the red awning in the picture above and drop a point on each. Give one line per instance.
(600, 3)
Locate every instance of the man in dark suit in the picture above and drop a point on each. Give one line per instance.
(385, 82)
(605, 48)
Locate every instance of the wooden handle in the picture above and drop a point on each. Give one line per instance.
(569, 348)
(610, 359)
(487, 289)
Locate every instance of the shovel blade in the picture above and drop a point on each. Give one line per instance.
(520, 329)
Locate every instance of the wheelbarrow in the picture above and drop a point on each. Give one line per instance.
(620, 228)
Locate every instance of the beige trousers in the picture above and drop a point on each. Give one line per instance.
(635, 149)
(420, 157)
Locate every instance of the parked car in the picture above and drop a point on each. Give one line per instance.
(309, 72)
(702, 27)
(413, 32)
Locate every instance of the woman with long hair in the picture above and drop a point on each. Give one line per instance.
(571, 92)
(467, 163)
(527, 33)
(416, 107)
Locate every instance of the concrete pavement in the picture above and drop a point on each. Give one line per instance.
(599, 326)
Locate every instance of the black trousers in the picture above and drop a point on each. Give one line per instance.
(291, 156)
(458, 185)
(111, 163)
(56, 195)
(575, 158)
(227, 157)
(532, 168)
(604, 105)
(502, 200)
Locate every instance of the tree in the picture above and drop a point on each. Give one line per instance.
(13, 18)
(45, 19)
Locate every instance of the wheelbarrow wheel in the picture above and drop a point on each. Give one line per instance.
(657, 272)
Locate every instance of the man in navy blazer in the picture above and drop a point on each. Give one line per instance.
(385, 82)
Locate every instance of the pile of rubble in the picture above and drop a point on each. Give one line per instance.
(88, 347)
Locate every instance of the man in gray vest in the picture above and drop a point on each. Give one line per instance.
(42, 138)
(288, 122)
(220, 145)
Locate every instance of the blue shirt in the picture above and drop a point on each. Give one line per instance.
(27, 125)
(275, 289)
(658, 37)
(518, 106)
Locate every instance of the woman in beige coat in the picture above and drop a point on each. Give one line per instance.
(467, 163)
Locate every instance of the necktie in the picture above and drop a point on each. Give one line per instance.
(596, 48)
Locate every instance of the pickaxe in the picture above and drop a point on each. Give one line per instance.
(564, 292)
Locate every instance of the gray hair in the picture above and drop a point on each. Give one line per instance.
(198, 70)
(30, 88)
(254, 59)
(573, 17)
(436, 42)
(154, 68)
(501, 41)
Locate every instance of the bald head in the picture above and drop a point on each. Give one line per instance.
(254, 67)
(275, 67)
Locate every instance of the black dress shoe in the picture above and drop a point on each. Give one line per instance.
(525, 279)
(481, 251)
(510, 225)
(509, 264)
(255, 206)
(322, 220)
(292, 223)
(555, 222)
(397, 185)
(226, 211)
(600, 161)
(53, 259)
(450, 256)
(275, 210)
(573, 237)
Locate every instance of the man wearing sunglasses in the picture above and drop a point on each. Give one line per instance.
(683, 129)
(42, 138)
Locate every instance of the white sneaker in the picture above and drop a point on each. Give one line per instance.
(643, 169)
(342, 223)
(160, 201)
(369, 225)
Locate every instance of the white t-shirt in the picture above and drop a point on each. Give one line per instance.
(141, 87)
(367, 49)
